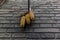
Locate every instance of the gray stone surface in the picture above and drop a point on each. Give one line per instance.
(47, 35)
(46, 25)
(57, 35)
(33, 35)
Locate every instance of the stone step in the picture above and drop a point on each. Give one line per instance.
(19, 14)
(13, 30)
(5, 10)
(36, 21)
(36, 17)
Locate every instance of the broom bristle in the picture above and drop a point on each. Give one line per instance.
(22, 21)
(27, 17)
(32, 17)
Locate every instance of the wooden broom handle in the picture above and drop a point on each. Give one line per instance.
(28, 5)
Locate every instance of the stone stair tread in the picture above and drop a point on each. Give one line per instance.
(5, 10)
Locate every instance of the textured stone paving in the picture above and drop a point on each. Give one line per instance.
(45, 27)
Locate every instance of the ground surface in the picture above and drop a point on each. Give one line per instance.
(45, 27)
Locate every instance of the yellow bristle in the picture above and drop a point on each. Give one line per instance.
(27, 17)
(32, 17)
(22, 21)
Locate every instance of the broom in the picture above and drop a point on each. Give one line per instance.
(27, 17)
(32, 17)
(22, 22)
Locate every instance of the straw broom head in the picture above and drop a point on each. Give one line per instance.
(27, 17)
(32, 17)
(22, 21)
